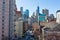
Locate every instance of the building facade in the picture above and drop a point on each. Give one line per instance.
(45, 11)
(26, 15)
(19, 27)
(4, 19)
(18, 14)
(12, 13)
(21, 9)
(51, 31)
(58, 16)
(33, 18)
(37, 14)
(7, 12)
(52, 16)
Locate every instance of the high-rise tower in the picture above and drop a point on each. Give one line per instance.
(7, 12)
(12, 12)
(37, 15)
(45, 11)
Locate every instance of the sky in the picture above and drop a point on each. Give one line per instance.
(51, 5)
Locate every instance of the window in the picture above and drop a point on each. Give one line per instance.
(2, 23)
(2, 35)
(2, 31)
(13, 39)
(2, 38)
(14, 30)
(3, 7)
(2, 20)
(14, 20)
(2, 16)
(3, 2)
(2, 27)
(14, 15)
(14, 25)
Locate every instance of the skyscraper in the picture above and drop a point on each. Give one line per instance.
(7, 11)
(21, 9)
(37, 11)
(26, 15)
(52, 16)
(4, 19)
(37, 14)
(45, 11)
(33, 18)
(12, 12)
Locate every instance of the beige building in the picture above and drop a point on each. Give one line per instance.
(19, 27)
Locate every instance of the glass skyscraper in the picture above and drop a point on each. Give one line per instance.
(21, 9)
(26, 15)
(37, 14)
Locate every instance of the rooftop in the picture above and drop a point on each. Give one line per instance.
(18, 12)
(52, 26)
(58, 11)
(42, 14)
